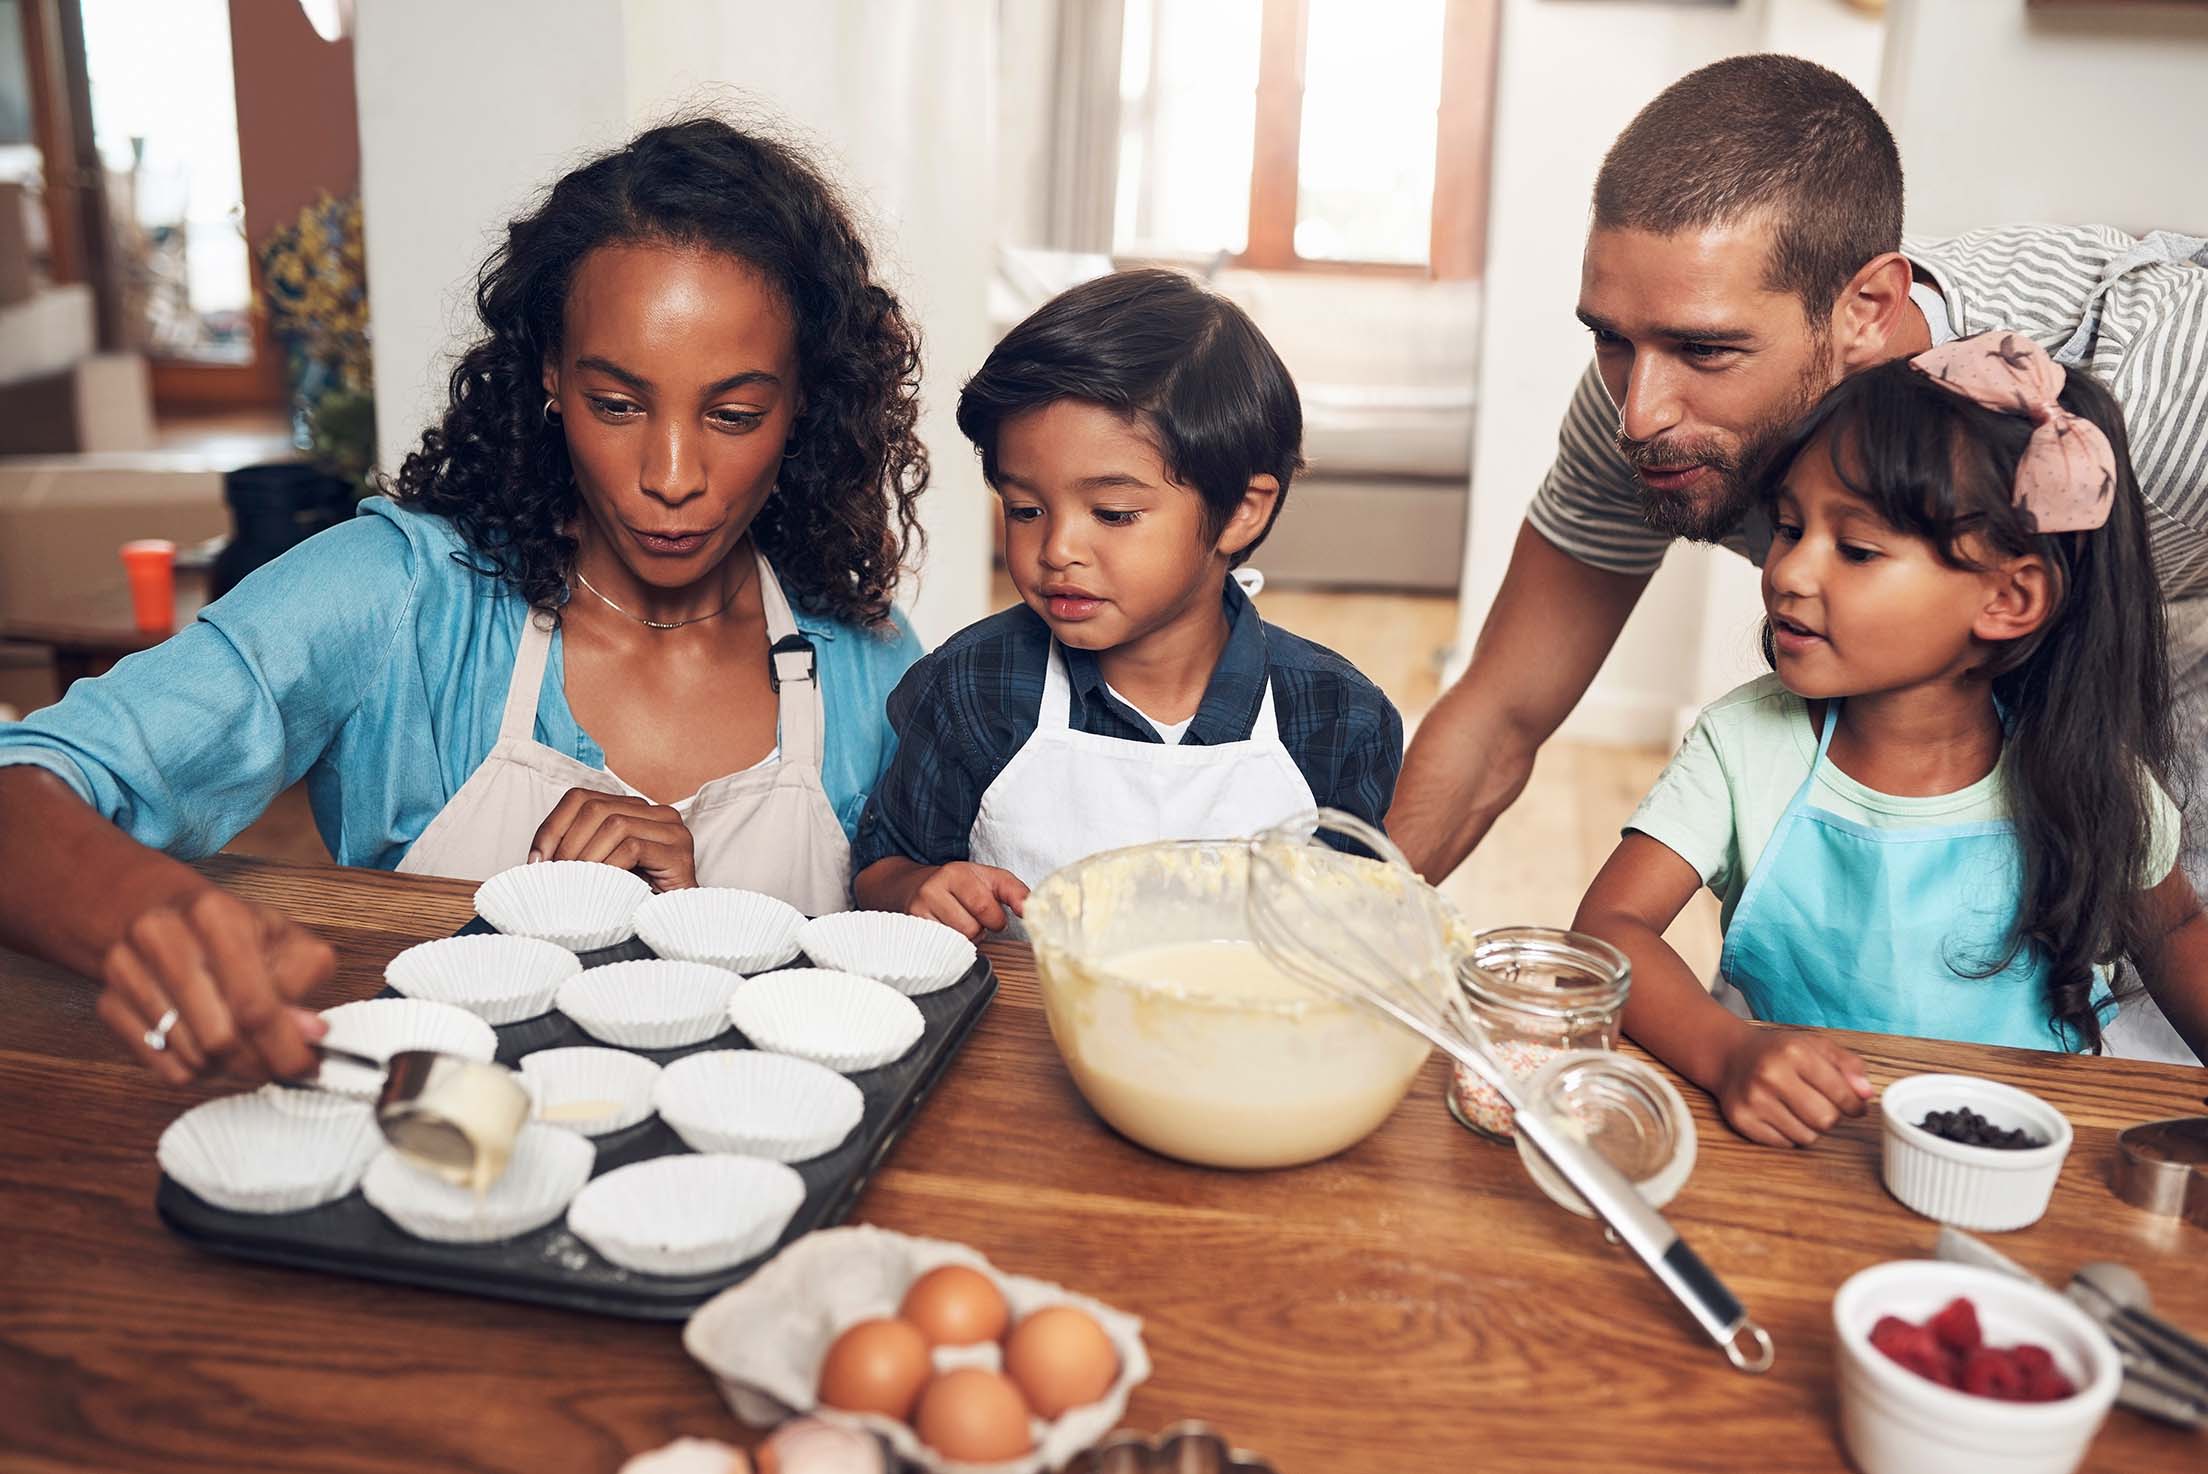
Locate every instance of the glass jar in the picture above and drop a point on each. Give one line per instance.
(1539, 991)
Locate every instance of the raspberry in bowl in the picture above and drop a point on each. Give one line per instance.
(1922, 1390)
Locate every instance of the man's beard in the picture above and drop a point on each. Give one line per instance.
(1710, 515)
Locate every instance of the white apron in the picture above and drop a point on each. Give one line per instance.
(1067, 795)
(768, 828)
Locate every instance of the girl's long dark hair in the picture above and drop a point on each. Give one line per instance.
(842, 519)
(2085, 696)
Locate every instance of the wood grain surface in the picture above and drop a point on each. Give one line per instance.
(1413, 1303)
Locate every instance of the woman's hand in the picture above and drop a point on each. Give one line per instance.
(1787, 1087)
(233, 972)
(618, 829)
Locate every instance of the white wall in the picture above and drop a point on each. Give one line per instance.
(1571, 77)
(2007, 114)
(459, 125)
(452, 143)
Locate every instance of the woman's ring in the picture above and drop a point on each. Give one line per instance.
(157, 1037)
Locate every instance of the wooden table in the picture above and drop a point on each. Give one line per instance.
(1414, 1303)
(90, 629)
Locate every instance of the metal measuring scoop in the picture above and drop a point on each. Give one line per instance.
(455, 1117)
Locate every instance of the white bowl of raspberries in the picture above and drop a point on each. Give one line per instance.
(1963, 1370)
(1975, 1153)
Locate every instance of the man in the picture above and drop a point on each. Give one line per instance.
(1745, 253)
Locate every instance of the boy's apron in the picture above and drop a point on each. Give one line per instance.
(1846, 926)
(768, 828)
(1067, 795)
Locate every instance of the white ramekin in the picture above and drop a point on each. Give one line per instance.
(1975, 1187)
(1896, 1422)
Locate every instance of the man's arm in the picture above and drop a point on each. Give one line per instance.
(1551, 627)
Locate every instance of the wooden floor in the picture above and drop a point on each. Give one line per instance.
(1534, 865)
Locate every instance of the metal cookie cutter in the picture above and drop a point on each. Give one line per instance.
(1184, 1448)
(2162, 1167)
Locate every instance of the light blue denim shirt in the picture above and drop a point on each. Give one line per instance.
(374, 664)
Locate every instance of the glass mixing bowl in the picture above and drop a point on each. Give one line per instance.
(1181, 1036)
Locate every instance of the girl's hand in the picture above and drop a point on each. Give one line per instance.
(1787, 1087)
(620, 830)
(233, 972)
(968, 898)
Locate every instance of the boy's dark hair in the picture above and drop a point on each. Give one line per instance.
(1763, 134)
(1161, 351)
(2086, 696)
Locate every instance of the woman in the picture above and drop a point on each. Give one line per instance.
(631, 603)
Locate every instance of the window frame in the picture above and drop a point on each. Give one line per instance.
(1457, 241)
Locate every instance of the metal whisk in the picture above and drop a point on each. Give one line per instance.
(1370, 931)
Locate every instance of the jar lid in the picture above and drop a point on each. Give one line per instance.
(1545, 970)
(1625, 1110)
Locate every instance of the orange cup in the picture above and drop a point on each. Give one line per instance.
(151, 565)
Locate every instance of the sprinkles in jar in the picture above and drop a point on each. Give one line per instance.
(1538, 991)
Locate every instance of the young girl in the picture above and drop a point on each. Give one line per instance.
(1941, 816)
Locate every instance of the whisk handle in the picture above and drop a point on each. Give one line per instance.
(1653, 1241)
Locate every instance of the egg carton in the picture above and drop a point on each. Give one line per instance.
(764, 1340)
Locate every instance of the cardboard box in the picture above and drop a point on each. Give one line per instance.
(46, 333)
(62, 520)
(101, 403)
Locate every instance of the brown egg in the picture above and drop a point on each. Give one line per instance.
(956, 1306)
(973, 1416)
(1060, 1358)
(877, 1366)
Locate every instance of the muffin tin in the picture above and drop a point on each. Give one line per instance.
(550, 1265)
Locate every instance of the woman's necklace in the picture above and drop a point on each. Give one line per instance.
(677, 624)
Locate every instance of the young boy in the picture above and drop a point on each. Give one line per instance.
(1141, 435)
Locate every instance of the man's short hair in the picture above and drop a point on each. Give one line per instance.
(1763, 134)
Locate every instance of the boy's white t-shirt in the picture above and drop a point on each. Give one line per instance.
(1170, 733)
(1724, 792)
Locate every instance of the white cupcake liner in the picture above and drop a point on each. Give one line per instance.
(757, 1104)
(838, 1019)
(576, 904)
(583, 1073)
(910, 953)
(382, 1027)
(247, 1154)
(655, 1004)
(499, 979)
(743, 931)
(763, 1340)
(546, 1170)
(686, 1214)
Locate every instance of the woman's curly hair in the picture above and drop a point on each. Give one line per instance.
(842, 519)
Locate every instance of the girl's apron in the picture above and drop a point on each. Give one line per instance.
(1067, 795)
(1846, 926)
(768, 828)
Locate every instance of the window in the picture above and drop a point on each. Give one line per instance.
(165, 122)
(1299, 133)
